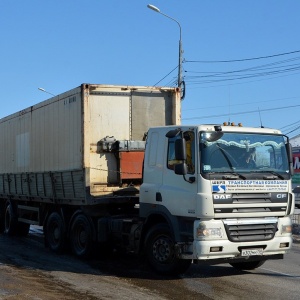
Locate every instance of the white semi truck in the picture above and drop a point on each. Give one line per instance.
(111, 166)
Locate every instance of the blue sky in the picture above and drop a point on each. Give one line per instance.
(58, 45)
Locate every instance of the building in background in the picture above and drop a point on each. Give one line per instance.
(295, 142)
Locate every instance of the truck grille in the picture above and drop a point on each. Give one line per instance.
(240, 204)
(250, 232)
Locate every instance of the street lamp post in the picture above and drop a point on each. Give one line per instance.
(180, 80)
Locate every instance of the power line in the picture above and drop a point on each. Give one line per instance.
(264, 70)
(239, 104)
(242, 113)
(241, 76)
(289, 125)
(291, 128)
(256, 68)
(166, 76)
(239, 83)
(243, 59)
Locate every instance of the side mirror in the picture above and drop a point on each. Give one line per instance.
(289, 152)
(214, 136)
(173, 133)
(180, 169)
(180, 149)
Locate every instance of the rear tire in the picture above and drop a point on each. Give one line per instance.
(10, 219)
(81, 236)
(55, 233)
(248, 265)
(161, 253)
(10, 223)
(2, 217)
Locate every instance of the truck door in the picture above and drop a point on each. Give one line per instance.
(178, 193)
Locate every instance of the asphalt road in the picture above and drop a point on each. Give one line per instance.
(28, 270)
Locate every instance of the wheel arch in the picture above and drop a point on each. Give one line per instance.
(159, 214)
(151, 221)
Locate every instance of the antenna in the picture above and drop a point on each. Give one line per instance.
(261, 125)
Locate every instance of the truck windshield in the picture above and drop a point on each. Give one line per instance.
(243, 153)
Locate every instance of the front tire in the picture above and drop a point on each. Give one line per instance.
(161, 253)
(248, 265)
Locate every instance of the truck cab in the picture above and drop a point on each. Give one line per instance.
(217, 193)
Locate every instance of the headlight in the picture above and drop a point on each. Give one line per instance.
(203, 231)
(286, 229)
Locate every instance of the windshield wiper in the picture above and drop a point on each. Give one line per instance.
(226, 155)
(230, 175)
(234, 176)
(274, 175)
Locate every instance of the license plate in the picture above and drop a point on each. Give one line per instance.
(251, 252)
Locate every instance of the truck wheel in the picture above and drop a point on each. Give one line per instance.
(55, 233)
(160, 251)
(248, 265)
(2, 218)
(81, 236)
(10, 219)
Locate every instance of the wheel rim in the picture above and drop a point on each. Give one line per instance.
(8, 219)
(81, 235)
(162, 249)
(55, 232)
(80, 238)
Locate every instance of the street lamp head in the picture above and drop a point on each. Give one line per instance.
(153, 8)
(43, 90)
(180, 81)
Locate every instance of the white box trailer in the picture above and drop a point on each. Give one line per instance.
(84, 145)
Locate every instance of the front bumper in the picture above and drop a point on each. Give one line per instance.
(212, 242)
(207, 250)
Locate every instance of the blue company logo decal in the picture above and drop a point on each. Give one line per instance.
(219, 188)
